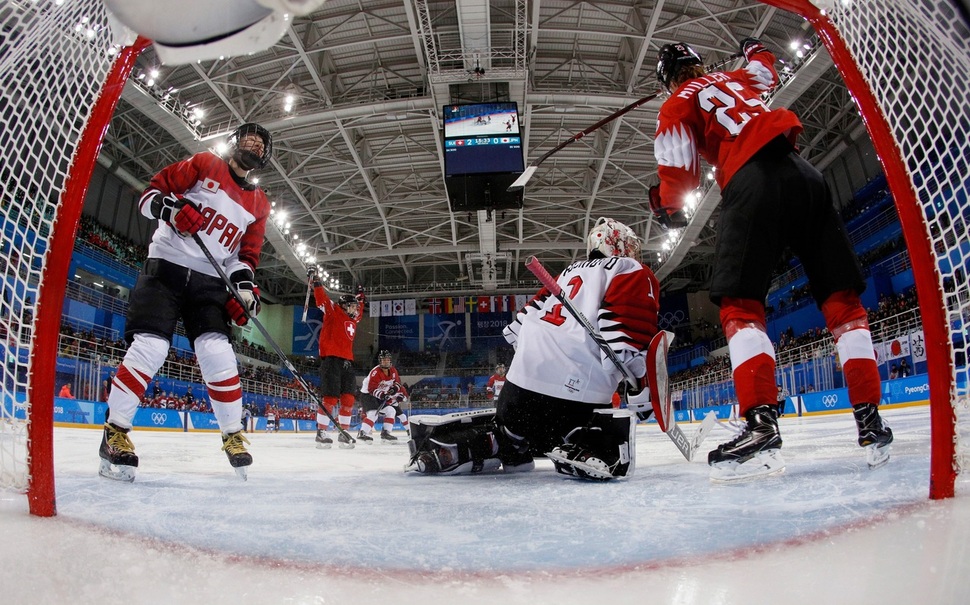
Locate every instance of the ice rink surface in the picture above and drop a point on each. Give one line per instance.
(349, 526)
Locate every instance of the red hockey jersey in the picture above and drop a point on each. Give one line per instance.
(721, 118)
(380, 383)
(339, 328)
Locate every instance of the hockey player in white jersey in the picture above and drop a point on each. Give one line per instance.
(559, 387)
(210, 197)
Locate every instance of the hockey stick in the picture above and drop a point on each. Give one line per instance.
(306, 303)
(668, 423)
(520, 182)
(262, 330)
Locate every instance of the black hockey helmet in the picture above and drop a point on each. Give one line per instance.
(671, 58)
(346, 299)
(244, 157)
(382, 355)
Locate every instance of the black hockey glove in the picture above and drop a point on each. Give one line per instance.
(751, 47)
(312, 276)
(667, 217)
(248, 292)
(181, 214)
(359, 297)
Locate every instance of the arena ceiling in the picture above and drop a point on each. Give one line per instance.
(358, 169)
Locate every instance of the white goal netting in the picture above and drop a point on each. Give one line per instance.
(907, 63)
(54, 59)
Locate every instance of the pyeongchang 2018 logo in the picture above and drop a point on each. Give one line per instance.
(923, 388)
(829, 401)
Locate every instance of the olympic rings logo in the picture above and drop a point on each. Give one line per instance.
(159, 417)
(671, 318)
(830, 400)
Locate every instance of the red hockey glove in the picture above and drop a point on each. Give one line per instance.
(751, 47)
(180, 213)
(248, 292)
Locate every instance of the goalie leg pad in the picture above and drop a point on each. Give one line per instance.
(604, 449)
(454, 444)
(514, 452)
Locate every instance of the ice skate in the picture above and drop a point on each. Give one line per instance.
(364, 438)
(118, 459)
(345, 441)
(754, 453)
(387, 437)
(234, 445)
(570, 459)
(323, 441)
(875, 436)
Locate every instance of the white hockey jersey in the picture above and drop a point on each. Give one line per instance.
(555, 355)
(235, 216)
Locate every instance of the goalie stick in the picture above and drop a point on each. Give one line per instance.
(526, 175)
(658, 348)
(262, 330)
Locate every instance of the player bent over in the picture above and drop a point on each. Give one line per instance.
(208, 196)
(771, 199)
(557, 397)
(382, 393)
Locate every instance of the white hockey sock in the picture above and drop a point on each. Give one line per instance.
(142, 360)
(218, 365)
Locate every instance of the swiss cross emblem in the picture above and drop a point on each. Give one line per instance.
(210, 185)
(351, 329)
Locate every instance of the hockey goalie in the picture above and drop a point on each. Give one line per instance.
(220, 28)
(557, 397)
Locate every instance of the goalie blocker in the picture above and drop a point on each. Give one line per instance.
(472, 442)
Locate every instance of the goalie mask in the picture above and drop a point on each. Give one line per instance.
(671, 59)
(610, 237)
(246, 148)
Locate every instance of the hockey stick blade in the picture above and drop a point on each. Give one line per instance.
(520, 182)
(707, 425)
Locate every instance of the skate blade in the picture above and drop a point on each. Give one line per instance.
(764, 464)
(593, 473)
(242, 472)
(324, 446)
(389, 442)
(117, 473)
(877, 456)
(346, 446)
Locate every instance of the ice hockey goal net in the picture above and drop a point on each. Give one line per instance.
(60, 80)
(907, 64)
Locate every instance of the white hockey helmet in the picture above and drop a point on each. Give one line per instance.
(612, 238)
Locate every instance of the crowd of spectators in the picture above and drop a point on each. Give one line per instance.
(99, 236)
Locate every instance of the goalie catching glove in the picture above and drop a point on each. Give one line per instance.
(669, 218)
(248, 291)
(178, 212)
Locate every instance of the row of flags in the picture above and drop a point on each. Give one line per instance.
(451, 304)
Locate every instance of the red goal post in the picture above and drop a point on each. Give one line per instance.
(907, 64)
(60, 81)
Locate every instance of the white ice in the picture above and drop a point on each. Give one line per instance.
(349, 526)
